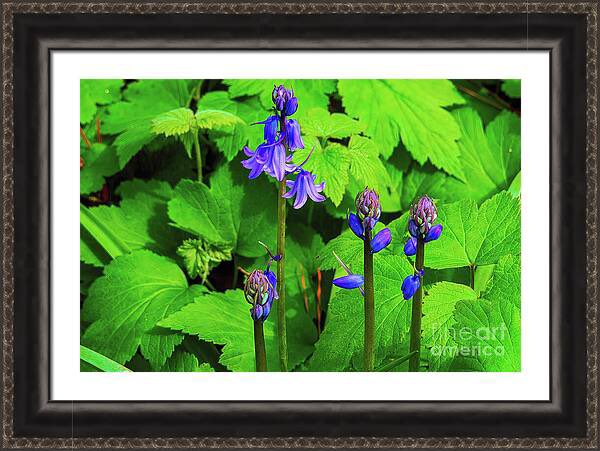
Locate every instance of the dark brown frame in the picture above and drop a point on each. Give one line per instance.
(31, 30)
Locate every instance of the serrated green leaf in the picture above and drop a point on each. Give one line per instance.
(182, 361)
(310, 93)
(365, 166)
(343, 335)
(216, 119)
(96, 92)
(241, 134)
(234, 210)
(199, 256)
(224, 318)
(410, 110)
(143, 101)
(512, 88)
(135, 293)
(474, 236)
(99, 161)
(505, 283)
(100, 362)
(175, 122)
(319, 122)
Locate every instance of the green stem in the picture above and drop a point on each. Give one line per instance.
(472, 272)
(369, 348)
(281, 326)
(235, 272)
(394, 363)
(417, 312)
(198, 155)
(259, 347)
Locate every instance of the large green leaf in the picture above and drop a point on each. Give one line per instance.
(512, 88)
(410, 110)
(124, 306)
(343, 335)
(99, 362)
(99, 161)
(224, 319)
(320, 122)
(182, 361)
(234, 210)
(94, 92)
(143, 101)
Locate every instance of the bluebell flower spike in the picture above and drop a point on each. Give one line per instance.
(410, 248)
(434, 233)
(368, 208)
(381, 240)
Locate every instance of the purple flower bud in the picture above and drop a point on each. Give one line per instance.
(356, 226)
(410, 248)
(304, 187)
(381, 240)
(294, 138)
(434, 233)
(270, 132)
(368, 208)
(410, 285)
(413, 229)
(284, 100)
(423, 213)
(256, 312)
(291, 106)
(259, 291)
(350, 281)
(266, 309)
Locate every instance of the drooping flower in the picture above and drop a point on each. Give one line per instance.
(411, 284)
(368, 208)
(350, 281)
(410, 248)
(304, 187)
(434, 233)
(271, 127)
(381, 240)
(356, 226)
(293, 136)
(257, 160)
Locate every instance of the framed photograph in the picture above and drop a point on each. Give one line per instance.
(298, 225)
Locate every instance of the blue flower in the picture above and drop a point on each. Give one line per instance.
(304, 187)
(350, 281)
(291, 106)
(293, 136)
(271, 126)
(410, 285)
(276, 164)
(356, 226)
(434, 233)
(381, 240)
(284, 100)
(260, 291)
(257, 160)
(423, 213)
(410, 248)
(413, 228)
(368, 208)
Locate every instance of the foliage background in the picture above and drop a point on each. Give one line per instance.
(150, 233)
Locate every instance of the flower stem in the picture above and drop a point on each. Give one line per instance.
(417, 312)
(259, 347)
(281, 326)
(198, 155)
(472, 272)
(369, 348)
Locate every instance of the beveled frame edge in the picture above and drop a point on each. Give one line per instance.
(589, 9)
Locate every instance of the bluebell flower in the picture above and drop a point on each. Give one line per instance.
(381, 240)
(434, 233)
(291, 106)
(411, 284)
(304, 187)
(413, 229)
(284, 100)
(368, 208)
(423, 214)
(260, 291)
(256, 162)
(350, 281)
(271, 127)
(410, 248)
(356, 226)
(293, 136)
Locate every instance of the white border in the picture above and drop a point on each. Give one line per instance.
(532, 383)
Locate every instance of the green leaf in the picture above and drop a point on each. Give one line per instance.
(199, 257)
(182, 361)
(342, 338)
(224, 319)
(330, 165)
(135, 293)
(515, 186)
(144, 100)
(216, 119)
(410, 110)
(475, 236)
(505, 283)
(492, 158)
(99, 362)
(310, 93)
(174, 122)
(99, 161)
(250, 111)
(140, 222)
(365, 166)
(438, 310)
(215, 214)
(96, 92)
(319, 122)
(512, 88)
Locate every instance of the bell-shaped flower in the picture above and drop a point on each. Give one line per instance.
(356, 226)
(410, 248)
(270, 131)
(276, 165)
(293, 136)
(291, 106)
(381, 240)
(434, 233)
(350, 281)
(410, 285)
(256, 162)
(304, 187)
(413, 228)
